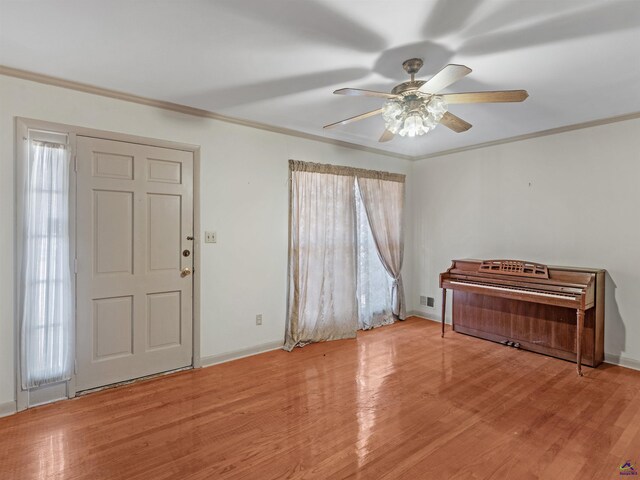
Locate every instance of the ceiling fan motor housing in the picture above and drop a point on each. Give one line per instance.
(407, 87)
(412, 66)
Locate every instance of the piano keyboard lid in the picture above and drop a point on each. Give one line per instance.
(563, 293)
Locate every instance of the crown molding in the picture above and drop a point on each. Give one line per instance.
(184, 109)
(527, 136)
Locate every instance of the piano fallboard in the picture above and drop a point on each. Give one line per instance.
(545, 313)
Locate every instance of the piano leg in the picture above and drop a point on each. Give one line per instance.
(444, 309)
(579, 329)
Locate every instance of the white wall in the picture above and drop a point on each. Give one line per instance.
(244, 199)
(566, 199)
(571, 198)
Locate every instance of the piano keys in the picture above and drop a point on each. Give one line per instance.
(557, 311)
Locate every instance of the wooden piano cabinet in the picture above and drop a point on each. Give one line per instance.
(557, 311)
(536, 327)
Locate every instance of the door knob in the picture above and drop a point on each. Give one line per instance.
(185, 272)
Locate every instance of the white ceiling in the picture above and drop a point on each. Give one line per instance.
(278, 61)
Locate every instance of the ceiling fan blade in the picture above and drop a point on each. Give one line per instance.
(486, 97)
(357, 92)
(362, 116)
(386, 136)
(455, 123)
(445, 77)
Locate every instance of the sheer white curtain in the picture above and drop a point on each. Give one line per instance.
(383, 200)
(374, 283)
(322, 255)
(47, 331)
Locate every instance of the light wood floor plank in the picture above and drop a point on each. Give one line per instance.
(399, 402)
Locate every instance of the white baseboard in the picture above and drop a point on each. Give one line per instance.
(244, 352)
(426, 316)
(7, 408)
(622, 361)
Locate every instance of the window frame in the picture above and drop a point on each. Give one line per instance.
(25, 134)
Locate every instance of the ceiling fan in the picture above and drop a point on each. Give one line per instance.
(415, 107)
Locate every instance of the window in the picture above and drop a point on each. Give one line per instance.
(345, 251)
(374, 284)
(46, 286)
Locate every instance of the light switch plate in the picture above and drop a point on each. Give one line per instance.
(210, 237)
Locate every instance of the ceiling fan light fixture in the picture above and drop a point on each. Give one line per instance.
(413, 126)
(413, 115)
(416, 107)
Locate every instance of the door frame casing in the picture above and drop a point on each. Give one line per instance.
(23, 125)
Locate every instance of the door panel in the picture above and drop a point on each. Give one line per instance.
(163, 171)
(164, 212)
(163, 319)
(134, 214)
(113, 239)
(113, 327)
(112, 166)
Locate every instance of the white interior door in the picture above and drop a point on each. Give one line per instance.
(134, 288)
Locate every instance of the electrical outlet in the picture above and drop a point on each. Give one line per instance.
(259, 319)
(423, 300)
(430, 301)
(210, 237)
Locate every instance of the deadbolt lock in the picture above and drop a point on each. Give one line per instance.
(186, 253)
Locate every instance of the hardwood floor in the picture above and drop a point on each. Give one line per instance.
(398, 402)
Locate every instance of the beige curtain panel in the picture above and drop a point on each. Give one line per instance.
(384, 203)
(322, 259)
(322, 247)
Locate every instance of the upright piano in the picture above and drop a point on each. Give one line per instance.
(557, 311)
